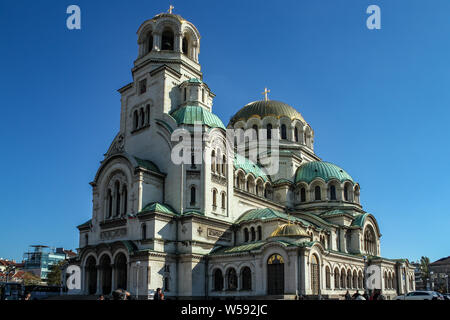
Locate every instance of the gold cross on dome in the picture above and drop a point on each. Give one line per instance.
(171, 7)
(266, 91)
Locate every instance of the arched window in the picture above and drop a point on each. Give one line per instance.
(147, 114)
(203, 95)
(269, 131)
(150, 42)
(348, 240)
(360, 280)
(255, 128)
(346, 193)
(224, 165)
(144, 231)
(185, 94)
(110, 203)
(193, 196)
(259, 233)
(253, 233)
(332, 192)
(86, 239)
(246, 275)
(213, 161)
(135, 120)
(317, 193)
(303, 195)
(283, 132)
(369, 241)
(214, 198)
(218, 280)
(223, 200)
(231, 279)
(124, 200)
(167, 42)
(327, 278)
(117, 195)
(349, 279)
(336, 279)
(185, 46)
(343, 282)
(142, 116)
(218, 166)
(246, 235)
(296, 134)
(305, 139)
(355, 280)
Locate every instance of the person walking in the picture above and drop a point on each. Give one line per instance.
(348, 296)
(356, 295)
(157, 295)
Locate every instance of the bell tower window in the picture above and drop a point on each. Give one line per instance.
(283, 132)
(150, 42)
(167, 42)
(185, 46)
(269, 131)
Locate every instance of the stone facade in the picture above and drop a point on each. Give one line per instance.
(209, 229)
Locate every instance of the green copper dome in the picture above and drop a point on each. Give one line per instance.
(193, 114)
(248, 166)
(262, 109)
(319, 169)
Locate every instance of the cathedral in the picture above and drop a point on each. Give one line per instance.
(226, 227)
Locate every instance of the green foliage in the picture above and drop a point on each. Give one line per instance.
(425, 268)
(31, 279)
(54, 276)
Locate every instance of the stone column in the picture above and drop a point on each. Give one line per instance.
(113, 277)
(178, 45)
(99, 282)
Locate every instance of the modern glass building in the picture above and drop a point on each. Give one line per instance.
(39, 259)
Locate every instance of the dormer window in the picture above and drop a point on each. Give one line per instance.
(142, 86)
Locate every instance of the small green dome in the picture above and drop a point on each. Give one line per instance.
(319, 169)
(262, 109)
(193, 114)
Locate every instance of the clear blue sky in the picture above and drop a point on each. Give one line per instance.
(377, 100)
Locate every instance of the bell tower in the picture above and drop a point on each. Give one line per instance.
(168, 56)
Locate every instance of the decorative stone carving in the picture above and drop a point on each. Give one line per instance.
(113, 234)
(218, 234)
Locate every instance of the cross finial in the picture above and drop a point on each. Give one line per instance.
(171, 7)
(265, 93)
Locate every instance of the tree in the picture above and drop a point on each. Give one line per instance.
(54, 276)
(31, 279)
(425, 268)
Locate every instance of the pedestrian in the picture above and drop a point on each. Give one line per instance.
(366, 295)
(356, 295)
(27, 296)
(348, 296)
(157, 295)
(101, 297)
(161, 295)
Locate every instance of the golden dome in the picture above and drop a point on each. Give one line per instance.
(289, 230)
(262, 109)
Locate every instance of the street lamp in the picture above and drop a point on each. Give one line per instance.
(138, 264)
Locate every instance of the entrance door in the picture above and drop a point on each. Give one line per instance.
(275, 275)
